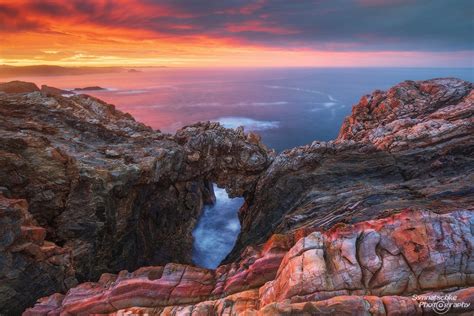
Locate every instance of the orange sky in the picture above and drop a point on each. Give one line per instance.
(144, 33)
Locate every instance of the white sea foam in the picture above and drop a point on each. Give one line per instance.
(268, 103)
(297, 89)
(247, 123)
(216, 230)
(206, 104)
(329, 104)
(260, 103)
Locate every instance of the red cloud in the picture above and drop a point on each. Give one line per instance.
(246, 9)
(258, 26)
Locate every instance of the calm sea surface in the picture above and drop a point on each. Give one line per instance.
(288, 107)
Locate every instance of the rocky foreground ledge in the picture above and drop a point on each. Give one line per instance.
(354, 226)
(368, 268)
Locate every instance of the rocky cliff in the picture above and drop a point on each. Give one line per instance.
(353, 226)
(117, 193)
(411, 146)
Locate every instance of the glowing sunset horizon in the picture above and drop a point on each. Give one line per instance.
(363, 33)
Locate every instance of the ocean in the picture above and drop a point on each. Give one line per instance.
(288, 107)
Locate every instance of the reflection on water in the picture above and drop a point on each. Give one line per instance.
(288, 107)
(217, 230)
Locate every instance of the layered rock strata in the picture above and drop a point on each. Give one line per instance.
(356, 225)
(411, 146)
(372, 267)
(29, 265)
(117, 193)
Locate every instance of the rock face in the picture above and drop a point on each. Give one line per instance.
(356, 225)
(369, 268)
(29, 265)
(117, 193)
(411, 146)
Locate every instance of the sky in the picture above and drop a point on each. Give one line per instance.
(235, 33)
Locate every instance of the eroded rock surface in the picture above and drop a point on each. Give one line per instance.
(371, 267)
(412, 146)
(355, 225)
(29, 265)
(117, 193)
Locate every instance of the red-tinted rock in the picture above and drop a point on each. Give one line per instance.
(367, 268)
(55, 91)
(18, 87)
(404, 254)
(407, 147)
(91, 172)
(121, 195)
(29, 266)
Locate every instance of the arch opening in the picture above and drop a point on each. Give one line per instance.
(217, 230)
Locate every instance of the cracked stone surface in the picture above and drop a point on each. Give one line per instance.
(376, 265)
(407, 253)
(117, 193)
(29, 265)
(411, 146)
(355, 225)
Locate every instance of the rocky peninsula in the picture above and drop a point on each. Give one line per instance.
(97, 210)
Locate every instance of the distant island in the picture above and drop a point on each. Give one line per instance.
(92, 88)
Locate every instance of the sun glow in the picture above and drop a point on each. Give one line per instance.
(143, 33)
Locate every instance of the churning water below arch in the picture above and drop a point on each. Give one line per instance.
(217, 230)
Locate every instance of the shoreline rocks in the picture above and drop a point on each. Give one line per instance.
(374, 167)
(55, 91)
(117, 193)
(382, 262)
(382, 212)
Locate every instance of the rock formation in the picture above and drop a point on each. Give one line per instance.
(353, 226)
(55, 91)
(411, 146)
(29, 265)
(371, 267)
(116, 192)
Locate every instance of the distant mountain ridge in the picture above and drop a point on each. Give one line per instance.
(50, 70)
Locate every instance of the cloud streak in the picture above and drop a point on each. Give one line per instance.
(216, 29)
